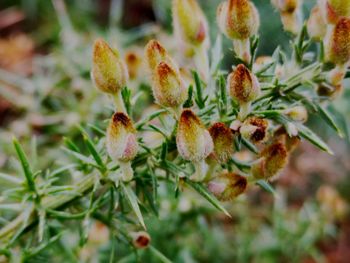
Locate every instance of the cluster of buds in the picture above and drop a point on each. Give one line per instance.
(239, 20)
(167, 85)
(330, 22)
(191, 31)
(194, 142)
(122, 145)
(243, 87)
(291, 15)
(109, 72)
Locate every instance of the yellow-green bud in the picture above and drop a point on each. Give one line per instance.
(109, 72)
(223, 142)
(291, 16)
(317, 25)
(337, 42)
(238, 19)
(336, 9)
(297, 113)
(272, 160)
(156, 53)
(168, 88)
(189, 22)
(121, 138)
(243, 86)
(227, 186)
(193, 140)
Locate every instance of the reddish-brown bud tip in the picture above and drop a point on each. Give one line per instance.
(227, 186)
(254, 129)
(141, 239)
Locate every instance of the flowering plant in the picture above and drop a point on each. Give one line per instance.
(204, 121)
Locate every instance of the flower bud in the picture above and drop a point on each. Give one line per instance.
(336, 9)
(273, 159)
(156, 53)
(297, 113)
(291, 16)
(133, 62)
(109, 72)
(328, 90)
(316, 25)
(290, 142)
(140, 239)
(243, 85)
(168, 88)
(223, 142)
(254, 129)
(286, 5)
(121, 138)
(337, 42)
(227, 186)
(238, 19)
(189, 22)
(194, 142)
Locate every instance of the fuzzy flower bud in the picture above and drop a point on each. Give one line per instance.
(156, 53)
(316, 25)
(273, 159)
(336, 9)
(337, 42)
(244, 87)
(189, 21)
(254, 129)
(238, 19)
(290, 142)
(109, 72)
(227, 186)
(223, 142)
(168, 88)
(122, 143)
(140, 239)
(194, 142)
(133, 61)
(297, 113)
(291, 16)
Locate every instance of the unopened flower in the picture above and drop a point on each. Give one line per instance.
(337, 42)
(254, 129)
(336, 76)
(122, 143)
(189, 21)
(297, 113)
(290, 11)
(140, 239)
(194, 142)
(134, 62)
(244, 87)
(168, 88)
(156, 53)
(109, 72)
(335, 9)
(227, 186)
(223, 142)
(289, 141)
(328, 90)
(239, 20)
(317, 25)
(273, 159)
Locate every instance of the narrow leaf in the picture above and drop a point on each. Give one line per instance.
(207, 195)
(266, 186)
(325, 115)
(134, 203)
(309, 135)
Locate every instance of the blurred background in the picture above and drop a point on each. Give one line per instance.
(45, 90)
